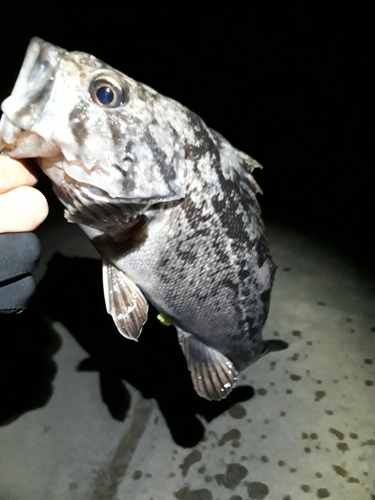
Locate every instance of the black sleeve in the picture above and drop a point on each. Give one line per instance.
(19, 256)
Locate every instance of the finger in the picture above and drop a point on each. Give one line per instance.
(22, 209)
(13, 174)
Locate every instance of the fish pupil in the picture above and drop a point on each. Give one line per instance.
(105, 95)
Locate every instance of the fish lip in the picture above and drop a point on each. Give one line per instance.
(32, 88)
(40, 55)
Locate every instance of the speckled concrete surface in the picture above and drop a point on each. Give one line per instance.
(304, 431)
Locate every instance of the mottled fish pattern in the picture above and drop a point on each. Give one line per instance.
(169, 204)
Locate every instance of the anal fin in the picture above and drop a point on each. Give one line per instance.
(213, 374)
(124, 302)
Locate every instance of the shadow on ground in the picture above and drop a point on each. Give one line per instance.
(71, 293)
(27, 369)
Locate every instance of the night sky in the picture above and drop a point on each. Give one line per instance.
(290, 83)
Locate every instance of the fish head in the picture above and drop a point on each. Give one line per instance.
(94, 132)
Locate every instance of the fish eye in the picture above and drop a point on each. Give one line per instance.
(108, 92)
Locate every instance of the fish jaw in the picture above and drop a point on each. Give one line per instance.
(33, 85)
(27, 102)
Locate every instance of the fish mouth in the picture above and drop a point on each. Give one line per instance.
(29, 97)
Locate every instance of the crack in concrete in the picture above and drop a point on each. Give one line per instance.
(109, 476)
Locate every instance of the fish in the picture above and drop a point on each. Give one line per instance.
(170, 205)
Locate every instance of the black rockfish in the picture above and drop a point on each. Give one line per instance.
(169, 204)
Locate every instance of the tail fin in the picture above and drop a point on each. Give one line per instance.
(274, 345)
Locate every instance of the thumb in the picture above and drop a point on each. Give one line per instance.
(22, 209)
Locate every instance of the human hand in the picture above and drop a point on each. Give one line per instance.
(22, 209)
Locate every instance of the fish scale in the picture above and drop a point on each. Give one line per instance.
(169, 204)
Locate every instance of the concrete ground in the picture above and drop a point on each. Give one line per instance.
(88, 415)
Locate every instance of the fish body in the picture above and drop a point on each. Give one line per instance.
(169, 204)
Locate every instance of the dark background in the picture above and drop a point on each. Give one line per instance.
(291, 83)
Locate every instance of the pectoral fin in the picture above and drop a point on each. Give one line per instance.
(212, 373)
(124, 302)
